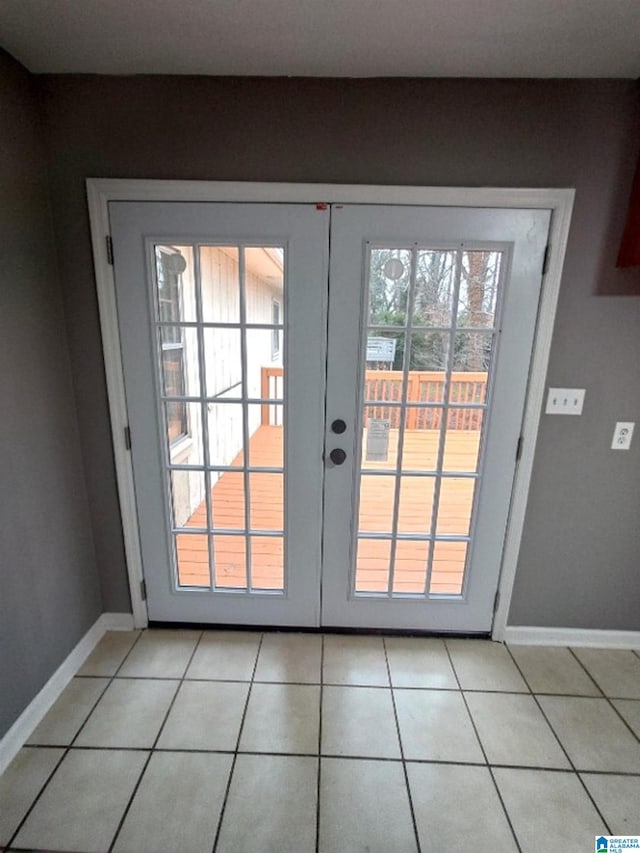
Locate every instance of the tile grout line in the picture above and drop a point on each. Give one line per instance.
(67, 747)
(608, 698)
(488, 766)
(319, 746)
(557, 737)
(153, 746)
(237, 748)
(402, 758)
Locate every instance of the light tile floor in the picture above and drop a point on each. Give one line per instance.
(188, 741)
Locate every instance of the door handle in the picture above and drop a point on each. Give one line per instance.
(338, 455)
(338, 426)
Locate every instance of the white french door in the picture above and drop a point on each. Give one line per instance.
(286, 476)
(222, 315)
(432, 316)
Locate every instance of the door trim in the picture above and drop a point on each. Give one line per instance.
(101, 191)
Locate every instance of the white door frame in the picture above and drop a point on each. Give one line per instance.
(101, 191)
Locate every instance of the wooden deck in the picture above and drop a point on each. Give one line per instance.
(376, 514)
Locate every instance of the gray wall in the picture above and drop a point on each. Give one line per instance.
(580, 553)
(49, 592)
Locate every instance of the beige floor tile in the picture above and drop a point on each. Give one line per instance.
(205, 715)
(483, 665)
(355, 660)
(271, 806)
(549, 810)
(618, 798)
(177, 806)
(417, 662)
(225, 655)
(458, 806)
(359, 721)
(282, 718)
(630, 710)
(553, 670)
(593, 734)
(616, 671)
(83, 804)
(513, 730)
(68, 713)
(21, 783)
(129, 714)
(109, 653)
(364, 806)
(435, 726)
(160, 654)
(290, 658)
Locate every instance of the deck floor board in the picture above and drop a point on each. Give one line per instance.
(375, 516)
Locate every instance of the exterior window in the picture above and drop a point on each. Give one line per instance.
(173, 360)
(275, 333)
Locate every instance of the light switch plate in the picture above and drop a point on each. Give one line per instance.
(565, 401)
(622, 435)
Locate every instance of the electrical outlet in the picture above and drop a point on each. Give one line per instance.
(622, 435)
(565, 401)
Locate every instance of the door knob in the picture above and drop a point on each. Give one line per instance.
(338, 426)
(337, 456)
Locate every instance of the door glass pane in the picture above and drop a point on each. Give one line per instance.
(455, 505)
(415, 505)
(462, 440)
(225, 427)
(434, 289)
(220, 284)
(188, 499)
(447, 572)
(376, 504)
(410, 570)
(380, 438)
(179, 365)
(372, 565)
(266, 435)
(230, 561)
(428, 355)
(192, 559)
(479, 286)
(228, 500)
(267, 560)
(389, 277)
(264, 288)
(221, 361)
(184, 432)
(421, 438)
(267, 501)
(175, 292)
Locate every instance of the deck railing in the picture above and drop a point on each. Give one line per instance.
(385, 386)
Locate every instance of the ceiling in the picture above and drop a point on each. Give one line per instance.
(334, 38)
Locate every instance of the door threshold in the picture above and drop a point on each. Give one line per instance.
(288, 629)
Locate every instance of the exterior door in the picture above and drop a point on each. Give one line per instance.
(431, 325)
(222, 315)
(382, 505)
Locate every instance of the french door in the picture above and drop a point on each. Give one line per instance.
(324, 406)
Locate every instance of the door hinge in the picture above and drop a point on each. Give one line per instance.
(519, 448)
(545, 260)
(109, 243)
(127, 437)
(143, 589)
(496, 601)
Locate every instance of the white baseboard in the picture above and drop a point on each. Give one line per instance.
(117, 621)
(21, 730)
(593, 638)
